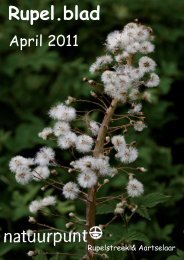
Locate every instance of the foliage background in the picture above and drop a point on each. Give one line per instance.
(34, 79)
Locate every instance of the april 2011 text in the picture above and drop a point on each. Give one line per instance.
(39, 40)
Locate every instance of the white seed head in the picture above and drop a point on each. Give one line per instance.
(134, 188)
(70, 190)
(48, 201)
(139, 126)
(24, 177)
(94, 128)
(68, 140)
(20, 164)
(146, 64)
(153, 81)
(45, 133)
(40, 173)
(45, 156)
(127, 155)
(61, 128)
(62, 112)
(87, 179)
(84, 143)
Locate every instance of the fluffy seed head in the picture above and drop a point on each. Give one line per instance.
(135, 188)
(146, 64)
(48, 201)
(61, 128)
(70, 190)
(19, 164)
(45, 156)
(87, 179)
(68, 140)
(94, 128)
(40, 173)
(153, 81)
(84, 143)
(24, 177)
(127, 155)
(62, 112)
(45, 133)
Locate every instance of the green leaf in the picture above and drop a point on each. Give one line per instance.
(143, 212)
(179, 256)
(106, 208)
(134, 235)
(151, 199)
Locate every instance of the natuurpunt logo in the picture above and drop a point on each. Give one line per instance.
(52, 237)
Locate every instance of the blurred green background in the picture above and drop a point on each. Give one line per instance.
(34, 79)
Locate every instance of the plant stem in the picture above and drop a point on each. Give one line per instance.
(98, 152)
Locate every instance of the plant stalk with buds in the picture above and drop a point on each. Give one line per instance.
(125, 73)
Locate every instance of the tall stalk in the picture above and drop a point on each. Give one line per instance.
(98, 152)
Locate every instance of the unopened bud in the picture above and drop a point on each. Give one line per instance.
(93, 94)
(120, 205)
(32, 220)
(85, 79)
(69, 224)
(131, 176)
(141, 169)
(72, 163)
(104, 256)
(43, 188)
(91, 82)
(71, 214)
(70, 100)
(147, 96)
(106, 181)
(101, 226)
(54, 172)
(107, 139)
(29, 232)
(118, 211)
(31, 253)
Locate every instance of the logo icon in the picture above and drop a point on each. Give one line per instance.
(95, 232)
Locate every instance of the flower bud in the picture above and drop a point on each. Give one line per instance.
(106, 181)
(32, 220)
(71, 214)
(69, 224)
(31, 253)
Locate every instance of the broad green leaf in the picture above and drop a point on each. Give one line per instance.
(143, 212)
(106, 208)
(150, 200)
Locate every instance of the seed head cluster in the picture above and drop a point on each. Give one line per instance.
(125, 71)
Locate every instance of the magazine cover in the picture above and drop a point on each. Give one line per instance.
(91, 130)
